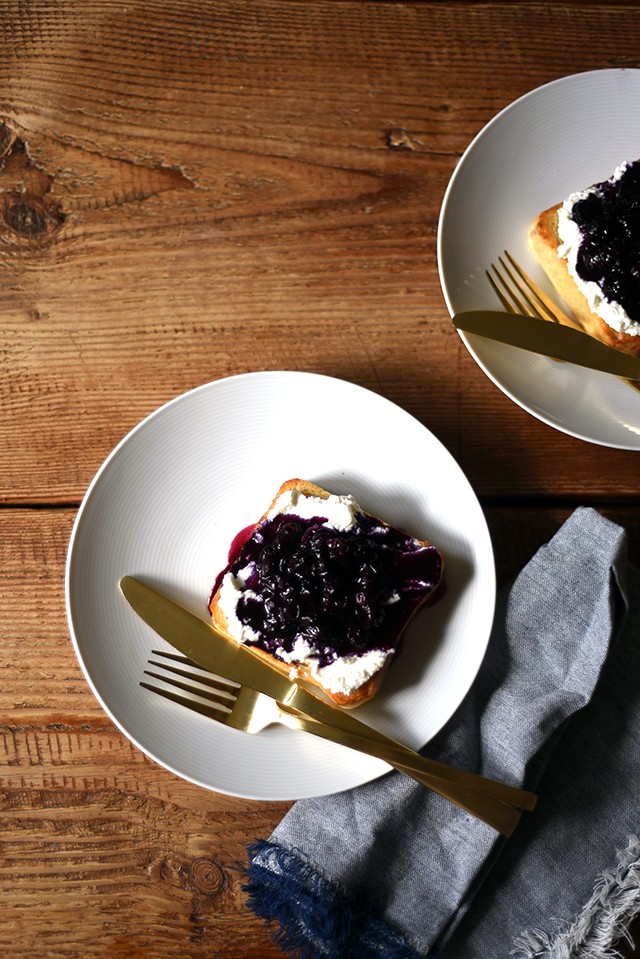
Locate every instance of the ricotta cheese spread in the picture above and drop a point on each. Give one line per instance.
(340, 511)
(613, 314)
(343, 675)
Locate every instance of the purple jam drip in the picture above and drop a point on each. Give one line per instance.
(331, 587)
(609, 252)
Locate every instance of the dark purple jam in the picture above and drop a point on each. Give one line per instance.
(344, 592)
(609, 253)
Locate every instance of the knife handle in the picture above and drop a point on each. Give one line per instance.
(303, 702)
(501, 816)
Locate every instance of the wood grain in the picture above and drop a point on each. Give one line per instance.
(89, 827)
(190, 191)
(182, 190)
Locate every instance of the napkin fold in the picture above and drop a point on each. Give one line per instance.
(390, 870)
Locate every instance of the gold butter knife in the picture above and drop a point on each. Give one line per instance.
(551, 339)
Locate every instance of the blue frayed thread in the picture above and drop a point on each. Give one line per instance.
(316, 920)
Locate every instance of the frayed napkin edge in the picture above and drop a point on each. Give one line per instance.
(316, 920)
(604, 920)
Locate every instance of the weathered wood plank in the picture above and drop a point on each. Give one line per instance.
(256, 188)
(89, 827)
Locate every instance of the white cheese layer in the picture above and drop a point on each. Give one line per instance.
(570, 236)
(231, 589)
(340, 511)
(343, 675)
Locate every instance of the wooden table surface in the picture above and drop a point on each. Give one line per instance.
(193, 190)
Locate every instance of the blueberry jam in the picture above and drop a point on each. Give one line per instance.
(344, 592)
(609, 253)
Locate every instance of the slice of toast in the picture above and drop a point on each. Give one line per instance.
(331, 604)
(544, 241)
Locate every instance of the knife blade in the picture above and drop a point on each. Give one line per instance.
(550, 339)
(215, 652)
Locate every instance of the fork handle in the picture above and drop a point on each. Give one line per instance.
(498, 814)
(398, 754)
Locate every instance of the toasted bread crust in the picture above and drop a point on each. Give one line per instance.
(300, 671)
(544, 241)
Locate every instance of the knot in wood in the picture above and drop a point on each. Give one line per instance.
(7, 139)
(27, 219)
(207, 876)
(400, 139)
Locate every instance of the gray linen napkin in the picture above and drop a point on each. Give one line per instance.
(391, 870)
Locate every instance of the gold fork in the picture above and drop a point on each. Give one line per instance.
(243, 708)
(519, 294)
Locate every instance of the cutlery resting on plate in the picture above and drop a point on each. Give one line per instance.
(496, 803)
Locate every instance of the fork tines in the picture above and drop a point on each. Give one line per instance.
(215, 695)
(519, 294)
(516, 291)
